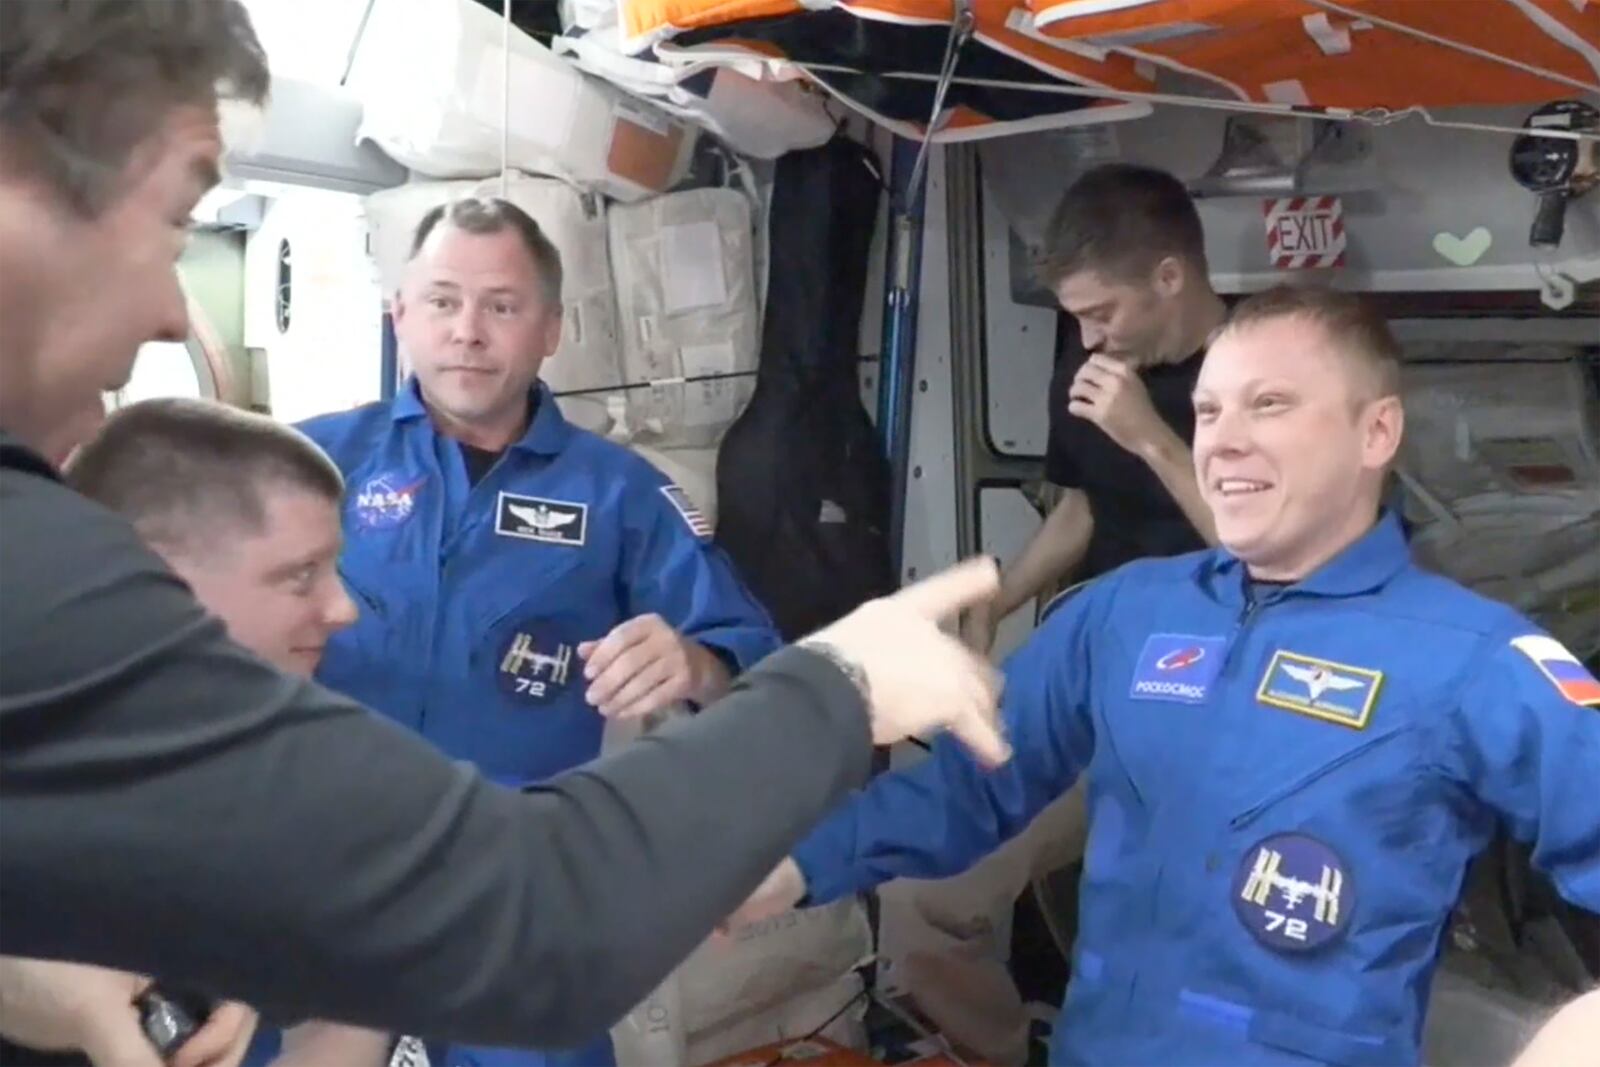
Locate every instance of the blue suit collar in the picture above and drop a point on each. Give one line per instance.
(547, 434)
(1367, 564)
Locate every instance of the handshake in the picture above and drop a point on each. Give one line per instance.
(916, 679)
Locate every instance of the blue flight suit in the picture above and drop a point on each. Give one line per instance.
(1284, 794)
(474, 598)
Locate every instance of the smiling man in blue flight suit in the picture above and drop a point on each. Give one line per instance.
(520, 580)
(1294, 743)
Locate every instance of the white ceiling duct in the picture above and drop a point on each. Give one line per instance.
(1265, 155)
(307, 137)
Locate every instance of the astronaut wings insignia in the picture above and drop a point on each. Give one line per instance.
(542, 518)
(1319, 680)
(1322, 689)
(532, 518)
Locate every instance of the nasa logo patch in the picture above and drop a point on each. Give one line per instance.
(1293, 893)
(1179, 667)
(534, 665)
(386, 500)
(534, 518)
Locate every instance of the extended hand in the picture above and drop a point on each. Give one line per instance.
(644, 665)
(916, 678)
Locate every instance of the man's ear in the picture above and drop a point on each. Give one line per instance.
(553, 325)
(1169, 277)
(1385, 426)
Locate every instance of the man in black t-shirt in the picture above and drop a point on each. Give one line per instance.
(1125, 255)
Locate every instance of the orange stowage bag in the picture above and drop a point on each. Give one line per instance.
(820, 1052)
(805, 1052)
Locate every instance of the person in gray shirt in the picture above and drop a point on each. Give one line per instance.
(175, 806)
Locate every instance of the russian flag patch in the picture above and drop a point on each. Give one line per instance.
(1562, 668)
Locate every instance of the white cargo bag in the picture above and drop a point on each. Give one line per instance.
(429, 74)
(687, 314)
(755, 111)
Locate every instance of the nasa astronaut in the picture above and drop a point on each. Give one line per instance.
(516, 574)
(1294, 743)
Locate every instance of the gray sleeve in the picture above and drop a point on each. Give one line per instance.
(175, 806)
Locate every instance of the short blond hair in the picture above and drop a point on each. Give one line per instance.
(1350, 320)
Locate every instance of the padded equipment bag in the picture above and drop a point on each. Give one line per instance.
(802, 481)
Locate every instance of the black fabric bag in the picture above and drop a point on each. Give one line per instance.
(802, 482)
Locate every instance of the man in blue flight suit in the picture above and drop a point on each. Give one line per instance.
(1294, 743)
(520, 580)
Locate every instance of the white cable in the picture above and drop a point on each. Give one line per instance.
(1379, 116)
(1445, 42)
(505, 100)
(961, 26)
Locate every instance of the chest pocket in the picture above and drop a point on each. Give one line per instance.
(1358, 774)
(379, 660)
(531, 611)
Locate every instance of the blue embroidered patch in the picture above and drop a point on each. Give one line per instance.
(387, 500)
(1293, 893)
(1178, 667)
(534, 665)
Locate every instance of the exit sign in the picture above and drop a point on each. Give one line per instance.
(1305, 232)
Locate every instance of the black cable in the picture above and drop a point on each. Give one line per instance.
(865, 993)
(623, 387)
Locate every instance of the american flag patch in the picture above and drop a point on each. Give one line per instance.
(691, 514)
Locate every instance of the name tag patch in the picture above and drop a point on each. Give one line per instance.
(1322, 689)
(534, 518)
(534, 665)
(1293, 893)
(1570, 677)
(1178, 667)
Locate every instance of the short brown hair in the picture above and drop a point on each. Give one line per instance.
(1120, 220)
(85, 82)
(183, 471)
(1349, 319)
(493, 215)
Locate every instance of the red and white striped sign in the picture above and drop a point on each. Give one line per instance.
(1305, 232)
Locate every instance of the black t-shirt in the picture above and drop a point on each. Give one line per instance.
(1134, 514)
(478, 462)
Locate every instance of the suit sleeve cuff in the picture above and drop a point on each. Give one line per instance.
(739, 648)
(825, 859)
